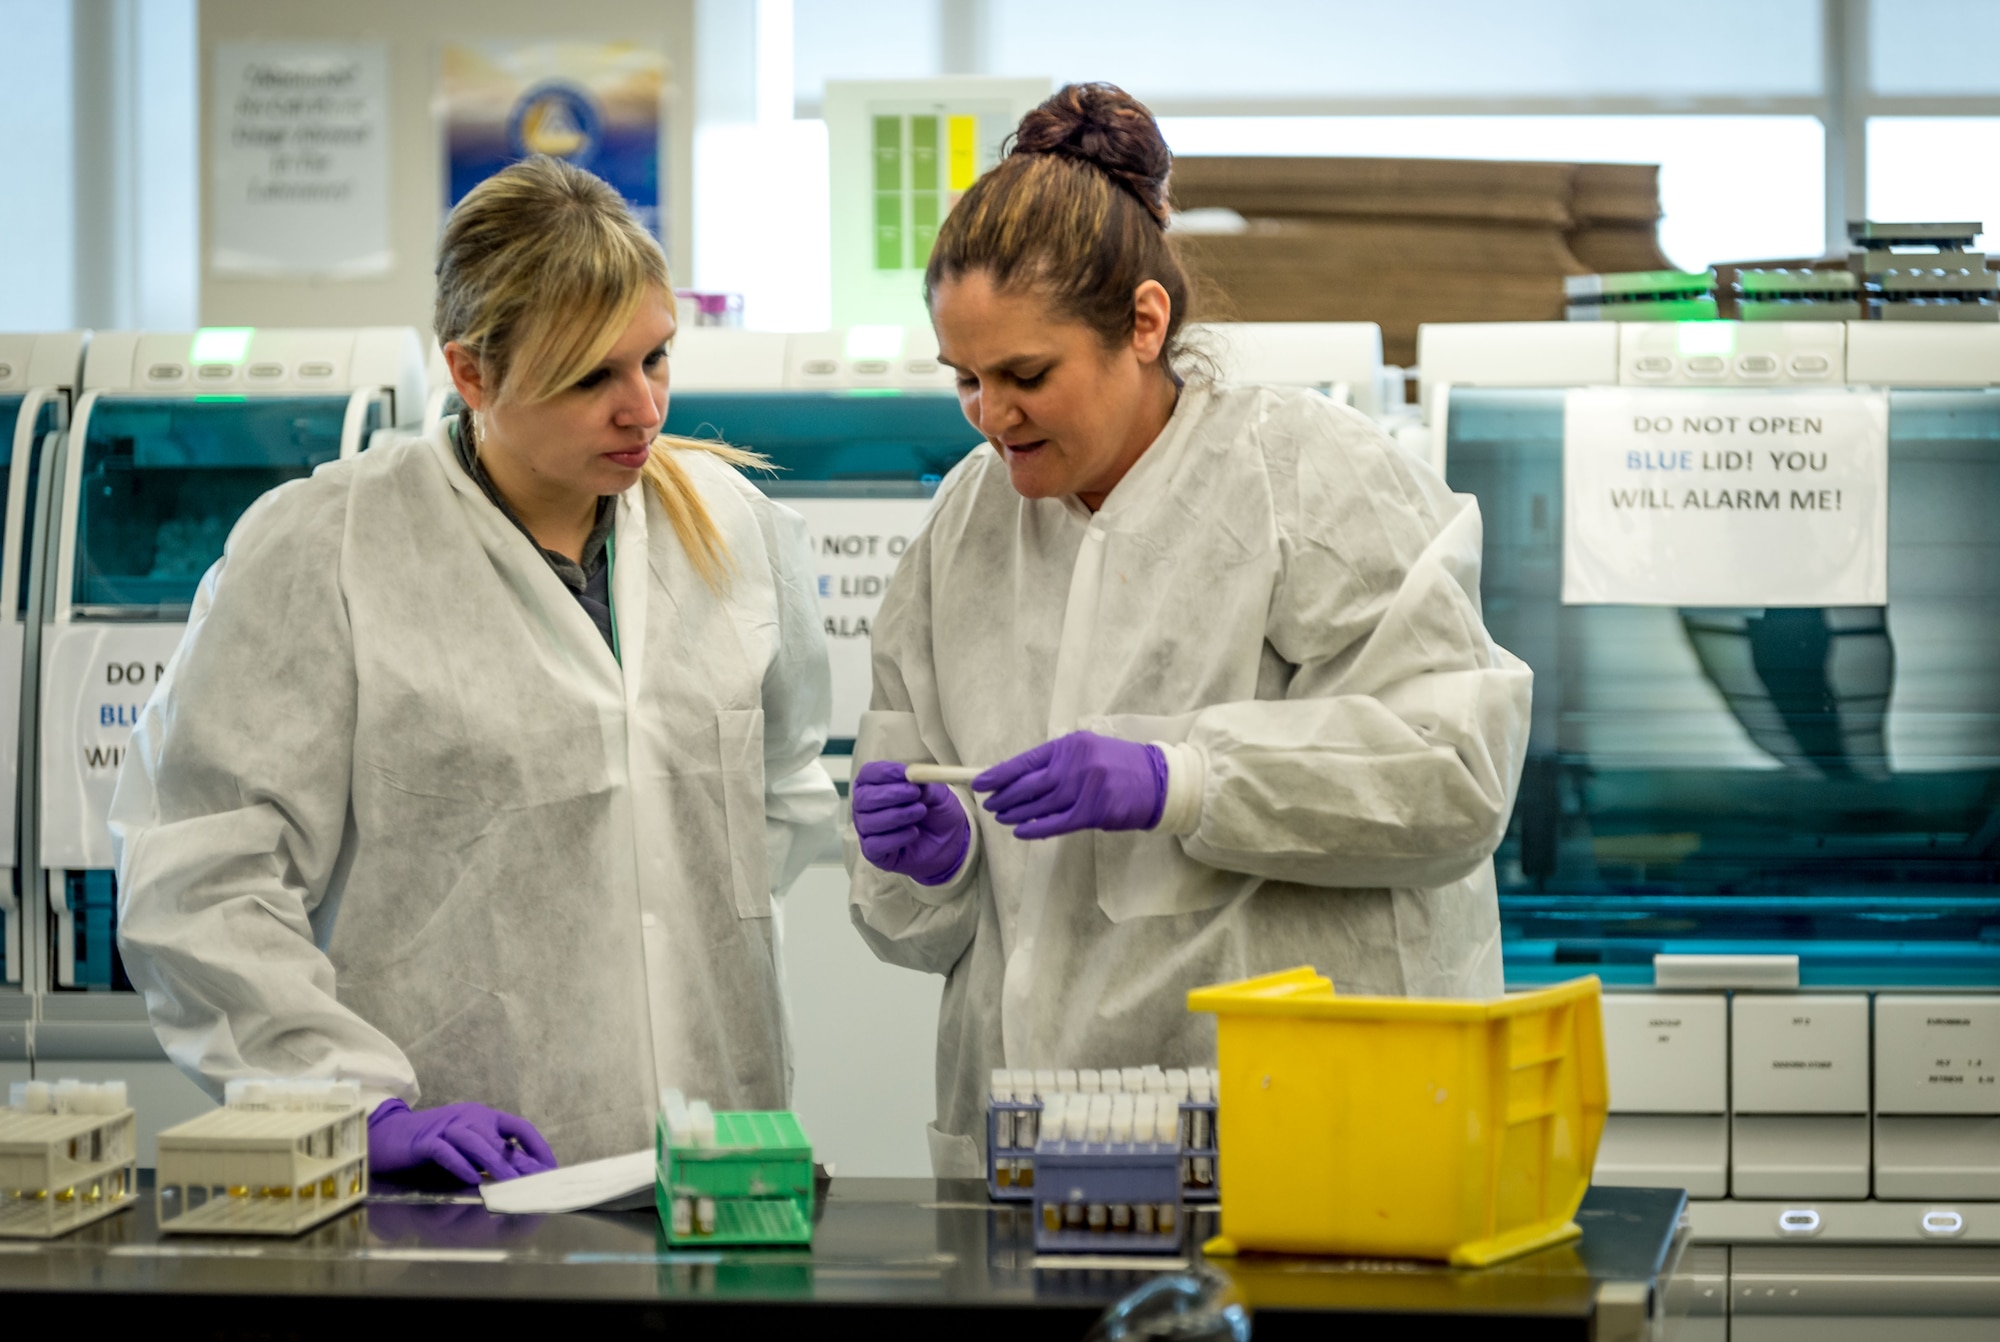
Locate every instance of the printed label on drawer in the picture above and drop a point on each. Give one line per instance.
(1667, 1053)
(1800, 1054)
(1937, 1055)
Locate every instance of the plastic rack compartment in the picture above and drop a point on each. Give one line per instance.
(1109, 1170)
(278, 1158)
(737, 1178)
(1014, 1122)
(68, 1156)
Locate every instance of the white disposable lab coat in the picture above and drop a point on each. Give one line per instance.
(396, 814)
(1291, 606)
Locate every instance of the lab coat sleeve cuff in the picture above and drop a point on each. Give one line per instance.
(1187, 775)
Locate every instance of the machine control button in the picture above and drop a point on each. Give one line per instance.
(1653, 365)
(1757, 365)
(1942, 1224)
(167, 372)
(214, 372)
(265, 372)
(871, 367)
(1706, 365)
(6, 371)
(921, 367)
(1798, 1222)
(1810, 365)
(821, 367)
(316, 368)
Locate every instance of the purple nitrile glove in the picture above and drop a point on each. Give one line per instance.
(460, 1139)
(918, 830)
(1079, 781)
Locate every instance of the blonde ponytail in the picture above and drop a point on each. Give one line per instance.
(540, 270)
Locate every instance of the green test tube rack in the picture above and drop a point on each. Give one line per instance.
(757, 1180)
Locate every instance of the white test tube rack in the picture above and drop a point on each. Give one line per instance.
(278, 1158)
(68, 1156)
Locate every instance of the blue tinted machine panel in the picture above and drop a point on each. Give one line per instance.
(882, 444)
(163, 480)
(1824, 781)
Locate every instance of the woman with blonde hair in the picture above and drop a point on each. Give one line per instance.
(487, 753)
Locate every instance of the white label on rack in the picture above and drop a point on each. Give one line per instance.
(1799, 1053)
(1937, 1055)
(1725, 498)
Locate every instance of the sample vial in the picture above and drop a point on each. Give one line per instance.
(704, 1216)
(683, 1216)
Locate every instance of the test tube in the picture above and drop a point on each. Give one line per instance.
(1155, 1080)
(1045, 1082)
(1111, 1080)
(1003, 1126)
(1098, 1217)
(1142, 1218)
(704, 1215)
(683, 1216)
(1066, 1080)
(1099, 1126)
(1164, 1215)
(1177, 1093)
(1121, 1217)
(1121, 1118)
(1089, 1081)
(1131, 1080)
(1077, 1117)
(1072, 1216)
(1024, 1120)
(702, 1119)
(1145, 1110)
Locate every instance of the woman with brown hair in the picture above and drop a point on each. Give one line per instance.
(487, 753)
(1220, 647)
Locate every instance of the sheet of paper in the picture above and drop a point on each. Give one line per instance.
(572, 1188)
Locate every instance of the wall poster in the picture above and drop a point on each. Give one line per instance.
(600, 105)
(299, 155)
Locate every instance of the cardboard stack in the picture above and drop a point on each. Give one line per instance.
(1404, 241)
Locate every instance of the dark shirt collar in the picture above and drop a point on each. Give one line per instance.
(575, 576)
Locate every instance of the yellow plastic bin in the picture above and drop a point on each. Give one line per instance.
(1396, 1127)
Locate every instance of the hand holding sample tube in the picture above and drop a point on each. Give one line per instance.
(470, 1142)
(918, 830)
(1077, 782)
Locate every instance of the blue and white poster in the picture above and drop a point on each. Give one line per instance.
(597, 104)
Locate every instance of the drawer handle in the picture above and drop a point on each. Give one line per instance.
(1799, 1221)
(1943, 1224)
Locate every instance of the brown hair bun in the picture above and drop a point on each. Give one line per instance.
(1106, 127)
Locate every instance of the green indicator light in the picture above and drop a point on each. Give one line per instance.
(222, 399)
(1706, 337)
(875, 391)
(221, 344)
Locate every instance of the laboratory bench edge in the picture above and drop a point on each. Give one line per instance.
(891, 1258)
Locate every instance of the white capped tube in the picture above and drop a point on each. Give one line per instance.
(1099, 1127)
(1200, 1081)
(1066, 1080)
(1089, 1082)
(1121, 1117)
(952, 775)
(1045, 1083)
(1145, 1109)
(1131, 1080)
(1111, 1081)
(702, 1119)
(1003, 1084)
(680, 1123)
(1024, 1084)
(1076, 1116)
(1167, 1122)
(1177, 1083)
(41, 1098)
(1154, 1080)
